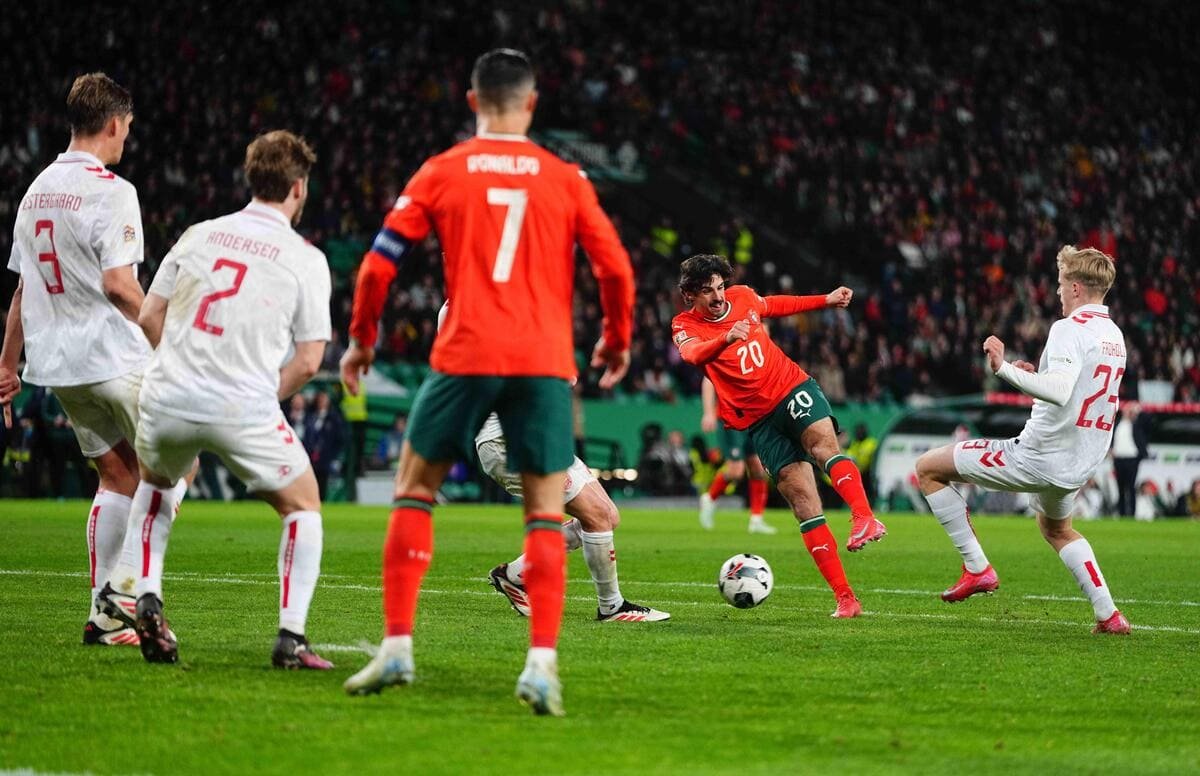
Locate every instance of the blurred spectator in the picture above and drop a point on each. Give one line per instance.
(387, 452)
(1129, 449)
(674, 465)
(324, 437)
(1192, 501)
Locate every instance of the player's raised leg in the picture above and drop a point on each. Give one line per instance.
(935, 471)
(1079, 558)
(797, 485)
(820, 440)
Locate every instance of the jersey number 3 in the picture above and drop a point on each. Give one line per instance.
(514, 200)
(201, 320)
(1100, 423)
(49, 257)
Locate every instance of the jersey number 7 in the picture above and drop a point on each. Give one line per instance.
(515, 200)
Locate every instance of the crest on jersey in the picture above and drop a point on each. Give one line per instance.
(753, 316)
(130, 233)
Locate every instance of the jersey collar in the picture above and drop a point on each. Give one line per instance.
(265, 211)
(72, 157)
(506, 136)
(1101, 309)
(722, 316)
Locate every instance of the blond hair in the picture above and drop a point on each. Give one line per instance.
(274, 162)
(1089, 267)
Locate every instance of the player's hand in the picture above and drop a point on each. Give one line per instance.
(616, 363)
(839, 297)
(1025, 366)
(356, 361)
(10, 386)
(708, 423)
(739, 331)
(994, 349)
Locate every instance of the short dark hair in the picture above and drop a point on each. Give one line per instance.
(695, 272)
(93, 100)
(274, 162)
(501, 77)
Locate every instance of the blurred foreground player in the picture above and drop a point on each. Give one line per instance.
(762, 391)
(1067, 436)
(740, 459)
(508, 215)
(233, 296)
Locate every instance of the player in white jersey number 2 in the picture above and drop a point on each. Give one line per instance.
(593, 518)
(1075, 390)
(229, 301)
(77, 242)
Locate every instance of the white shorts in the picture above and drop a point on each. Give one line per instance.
(493, 458)
(102, 414)
(267, 457)
(999, 465)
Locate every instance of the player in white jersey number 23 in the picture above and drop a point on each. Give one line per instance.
(1075, 392)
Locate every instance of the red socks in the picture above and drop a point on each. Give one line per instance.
(758, 496)
(847, 481)
(824, 551)
(545, 577)
(406, 555)
(718, 486)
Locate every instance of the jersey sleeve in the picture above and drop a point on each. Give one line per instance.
(164, 279)
(410, 218)
(311, 321)
(1064, 352)
(117, 234)
(14, 258)
(610, 264)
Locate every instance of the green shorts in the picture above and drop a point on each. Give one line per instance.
(535, 411)
(776, 436)
(735, 445)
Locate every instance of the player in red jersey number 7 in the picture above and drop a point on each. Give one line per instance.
(508, 215)
(761, 390)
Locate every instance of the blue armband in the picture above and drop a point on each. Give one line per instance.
(391, 245)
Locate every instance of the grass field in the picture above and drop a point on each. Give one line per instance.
(1012, 683)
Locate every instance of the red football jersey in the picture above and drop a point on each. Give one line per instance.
(750, 377)
(508, 214)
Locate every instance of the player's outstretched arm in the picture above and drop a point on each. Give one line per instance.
(304, 363)
(1053, 386)
(10, 355)
(698, 352)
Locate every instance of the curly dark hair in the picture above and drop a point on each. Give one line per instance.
(696, 271)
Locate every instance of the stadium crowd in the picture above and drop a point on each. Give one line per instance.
(966, 164)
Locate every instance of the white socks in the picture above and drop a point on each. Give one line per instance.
(544, 658)
(128, 570)
(299, 566)
(1081, 561)
(951, 511)
(572, 538)
(149, 529)
(601, 559)
(106, 524)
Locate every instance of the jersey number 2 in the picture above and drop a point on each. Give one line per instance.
(515, 200)
(1109, 377)
(201, 320)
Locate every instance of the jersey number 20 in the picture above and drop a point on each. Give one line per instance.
(514, 200)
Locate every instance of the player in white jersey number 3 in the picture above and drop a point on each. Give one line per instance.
(1075, 389)
(77, 242)
(229, 301)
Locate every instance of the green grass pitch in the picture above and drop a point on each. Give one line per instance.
(1011, 683)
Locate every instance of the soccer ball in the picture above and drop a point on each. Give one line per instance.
(745, 580)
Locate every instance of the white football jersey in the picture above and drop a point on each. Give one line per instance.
(76, 220)
(240, 290)
(1066, 444)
